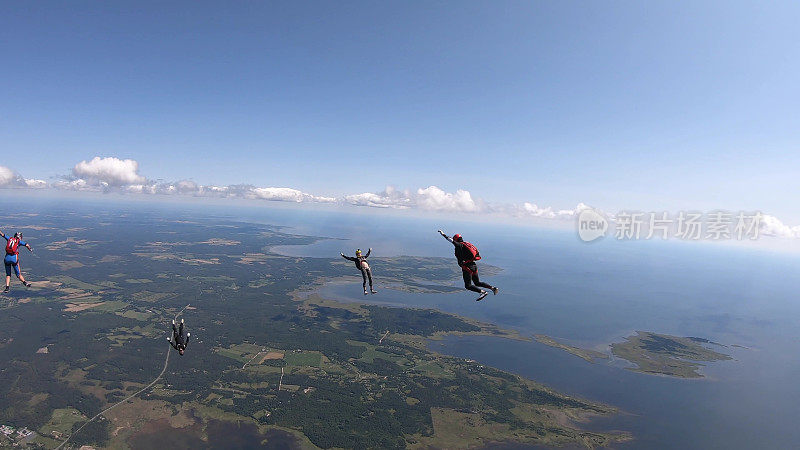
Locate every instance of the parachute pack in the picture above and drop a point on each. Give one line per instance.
(471, 250)
(12, 246)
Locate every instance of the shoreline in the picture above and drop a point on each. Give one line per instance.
(311, 295)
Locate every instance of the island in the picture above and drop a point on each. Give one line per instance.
(652, 353)
(662, 354)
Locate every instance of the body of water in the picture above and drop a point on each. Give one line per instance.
(590, 295)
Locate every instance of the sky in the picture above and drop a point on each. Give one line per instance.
(619, 105)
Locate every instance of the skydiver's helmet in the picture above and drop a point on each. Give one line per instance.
(181, 348)
(358, 252)
(458, 238)
(18, 235)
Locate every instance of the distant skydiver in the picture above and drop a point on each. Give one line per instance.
(363, 266)
(12, 258)
(467, 254)
(179, 338)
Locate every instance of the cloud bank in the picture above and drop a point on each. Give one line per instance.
(110, 174)
(430, 198)
(10, 179)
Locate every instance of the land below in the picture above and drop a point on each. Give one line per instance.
(271, 364)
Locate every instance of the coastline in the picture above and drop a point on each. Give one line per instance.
(310, 296)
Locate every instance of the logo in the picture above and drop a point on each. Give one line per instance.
(591, 225)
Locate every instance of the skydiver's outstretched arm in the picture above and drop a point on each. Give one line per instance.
(449, 239)
(368, 252)
(349, 258)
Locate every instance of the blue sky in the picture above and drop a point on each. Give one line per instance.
(649, 105)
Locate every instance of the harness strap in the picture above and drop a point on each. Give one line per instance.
(467, 269)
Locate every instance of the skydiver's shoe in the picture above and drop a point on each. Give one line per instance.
(374, 291)
(365, 292)
(6, 289)
(181, 321)
(173, 321)
(483, 296)
(494, 290)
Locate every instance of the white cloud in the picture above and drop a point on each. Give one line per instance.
(109, 171)
(7, 176)
(431, 198)
(374, 200)
(11, 179)
(434, 199)
(285, 195)
(140, 189)
(218, 190)
(533, 210)
(389, 198)
(35, 184)
(772, 226)
(183, 187)
(78, 184)
(186, 187)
